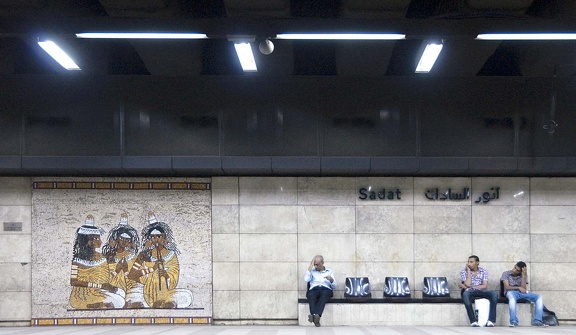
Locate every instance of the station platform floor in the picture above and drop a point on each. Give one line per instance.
(280, 330)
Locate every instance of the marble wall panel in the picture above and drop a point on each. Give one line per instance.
(551, 276)
(16, 277)
(268, 304)
(511, 192)
(15, 197)
(501, 247)
(385, 247)
(428, 186)
(442, 219)
(336, 191)
(500, 219)
(384, 219)
(268, 247)
(553, 191)
(269, 276)
(226, 276)
(334, 247)
(436, 248)
(268, 219)
(321, 219)
(22, 214)
(553, 220)
(552, 248)
(226, 305)
(19, 183)
(268, 191)
(15, 248)
(224, 190)
(15, 306)
(225, 219)
(376, 184)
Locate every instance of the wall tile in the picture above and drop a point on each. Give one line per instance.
(16, 306)
(268, 219)
(335, 191)
(17, 183)
(267, 276)
(225, 247)
(268, 247)
(501, 247)
(424, 186)
(225, 219)
(225, 190)
(334, 247)
(15, 248)
(22, 214)
(442, 219)
(384, 219)
(552, 248)
(16, 277)
(501, 219)
(512, 192)
(320, 219)
(15, 197)
(226, 304)
(268, 304)
(553, 191)
(552, 220)
(442, 248)
(226, 276)
(268, 191)
(377, 184)
(551, 276)
(385, 247)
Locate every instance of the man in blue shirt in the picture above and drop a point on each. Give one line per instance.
(514, 282)
(322, 284)
(473, 285)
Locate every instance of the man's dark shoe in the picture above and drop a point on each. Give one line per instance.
(316, 320)
(310, 318)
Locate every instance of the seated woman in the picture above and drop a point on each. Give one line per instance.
(157, 267)
(90, 276)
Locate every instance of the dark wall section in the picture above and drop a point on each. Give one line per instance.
(318, 125)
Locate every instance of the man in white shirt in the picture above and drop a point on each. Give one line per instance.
(321, 285)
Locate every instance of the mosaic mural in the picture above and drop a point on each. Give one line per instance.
(137, 254)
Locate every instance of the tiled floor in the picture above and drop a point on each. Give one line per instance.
(281, 330)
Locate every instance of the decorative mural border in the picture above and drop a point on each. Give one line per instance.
(86, 185)
(122, 321)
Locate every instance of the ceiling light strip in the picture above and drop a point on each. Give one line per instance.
(173, 36)
(341, 36)
(246, 57)
(526, 37)
(429, 56)
(59, 55)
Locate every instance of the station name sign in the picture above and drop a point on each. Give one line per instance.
(432, 194)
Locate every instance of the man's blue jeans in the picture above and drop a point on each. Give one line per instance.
(514, 296)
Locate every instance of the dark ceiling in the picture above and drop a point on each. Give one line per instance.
(23, 22)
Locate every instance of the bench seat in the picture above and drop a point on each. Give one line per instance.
(405, 312)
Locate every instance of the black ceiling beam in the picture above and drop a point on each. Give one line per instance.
(220, 28)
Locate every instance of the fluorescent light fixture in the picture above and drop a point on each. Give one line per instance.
(168, 36)
(340, 36)
(59, 55)
(527, 37)
(246, 57)
(428, 58)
